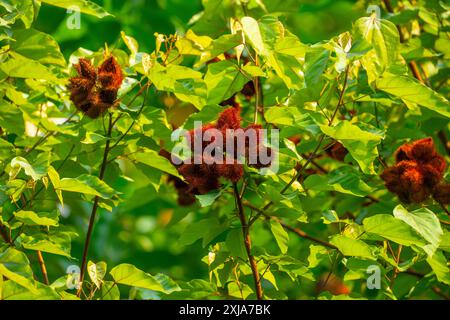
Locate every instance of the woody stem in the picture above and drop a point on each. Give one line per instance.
(247, 243)
(94, 208)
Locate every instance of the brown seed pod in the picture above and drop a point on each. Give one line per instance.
(93, 92)
(418, 172)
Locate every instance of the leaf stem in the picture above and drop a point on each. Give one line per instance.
(43, 267)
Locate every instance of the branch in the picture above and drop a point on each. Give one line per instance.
(247, 243)
(442, 137)
(4, 235)
(94, 208)
(322, 137)
(297, 231)
(42, 266)
(146, 86)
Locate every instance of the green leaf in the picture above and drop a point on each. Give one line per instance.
(425, 223)
(208, 199)
(109, 291)
(206, 229)
(186, 83)
(384, 38)
(130, 42)
(129, 275)
(352, 247)
(15, 266)
(153, 159)
(223, 79)
(220, 45)
(92, 137)
(235, 243)
(411, 91)
(194, 289)
(37, 219)
(14, 188)
(362, 145)
(438, 262)
(317, 254)
(56, 182)
(251, 29)
(85, 6)
(281, 236)
(97, 272)
(316, 61)
(58, 243)
(36, 172)
(87, 184)
(192, 44)
(344, 180)
(38, 46)
(18, 66)
(12, 291)
(288, 116)
(445, 242)
(388, 227)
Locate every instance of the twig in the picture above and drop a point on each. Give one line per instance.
(45, 137)
(297, 231)
(247, 243)
(42, 266)
(322, 137)
(444, 141)
(146, 86)
(439, 292)
(4, 235)
(444, 208)
(94, 208)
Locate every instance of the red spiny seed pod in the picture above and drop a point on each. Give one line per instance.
(263, 164)
(94, 92)
(86, 70)
(441, 193)
(110, 74)
(201, 176)
(333, 284)
(108, 95)
(80, 89)
(229, 119)
(248, 90)
(197, 135)
(423, 150)
(295, 139)
(230, 102)
(202, 173)
(337, 151)
(403, 153)
(230, 170)
(185, 198)
(418, 172)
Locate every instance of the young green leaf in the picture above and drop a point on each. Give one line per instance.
(129, 275)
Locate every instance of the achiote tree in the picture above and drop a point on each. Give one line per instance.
(242, 162)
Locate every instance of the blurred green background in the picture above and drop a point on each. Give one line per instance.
(311, 20)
